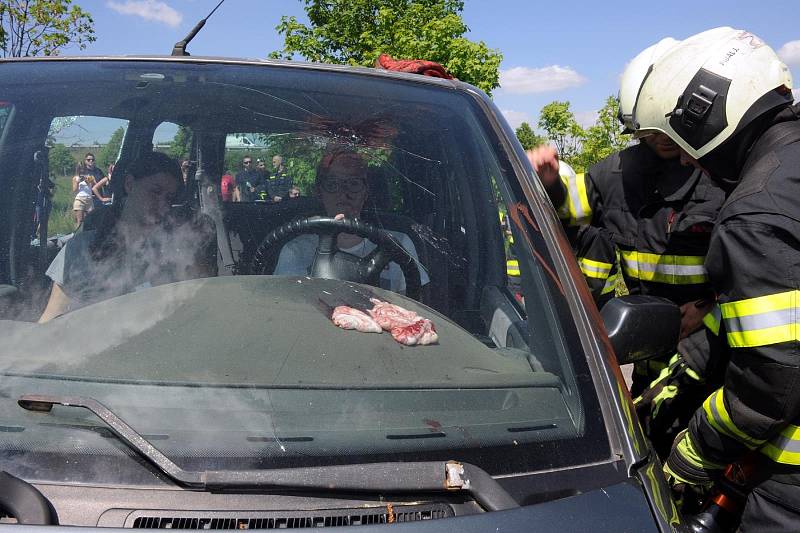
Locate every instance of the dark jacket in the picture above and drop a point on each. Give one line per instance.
(754, 264)
(659, 215)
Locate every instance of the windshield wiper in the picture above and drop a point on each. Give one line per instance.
(427, 476)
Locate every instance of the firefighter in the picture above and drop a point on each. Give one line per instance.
(658, 212)
(512, 263)
(725, 98)
(593, 246)
(594, 250)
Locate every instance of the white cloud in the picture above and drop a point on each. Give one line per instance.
(586, 118)
(515, 118)
(796, 93)
(148, 10)
(790, 53)
(525, 80)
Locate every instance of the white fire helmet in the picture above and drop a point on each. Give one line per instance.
(632, 78)
(709, 87)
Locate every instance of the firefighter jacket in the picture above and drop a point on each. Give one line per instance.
(659, 215)
(754, 264)
(596, 257)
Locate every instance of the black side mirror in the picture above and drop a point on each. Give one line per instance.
(642, 327)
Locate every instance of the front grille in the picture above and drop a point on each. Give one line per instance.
(290, 519)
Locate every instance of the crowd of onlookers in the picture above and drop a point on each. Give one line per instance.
(255, 183)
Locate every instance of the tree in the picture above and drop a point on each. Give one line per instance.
(181, 144)
(42, 27)
(109, 153)
(561, 127)
(356, 32)
(605, 137)
(61, 161)
(527, 138)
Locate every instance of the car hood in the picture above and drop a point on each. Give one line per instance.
(249, 330)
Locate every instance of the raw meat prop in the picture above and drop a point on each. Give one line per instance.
(406, 326)
(349, 318)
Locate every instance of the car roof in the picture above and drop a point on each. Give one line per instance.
(327, 67)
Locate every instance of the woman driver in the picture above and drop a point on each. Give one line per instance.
(342, 187)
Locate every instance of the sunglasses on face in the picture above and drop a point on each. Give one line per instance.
(246, 162)
(351, 185)
(89, 159)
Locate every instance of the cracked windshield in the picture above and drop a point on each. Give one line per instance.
(259, 267)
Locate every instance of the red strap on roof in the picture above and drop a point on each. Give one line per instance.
(413, 66)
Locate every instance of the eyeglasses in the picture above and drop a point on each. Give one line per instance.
(246, 162)
(351, 185)
(90, 159)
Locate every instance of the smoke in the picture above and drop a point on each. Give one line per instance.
(96, 320)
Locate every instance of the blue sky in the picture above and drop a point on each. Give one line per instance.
(568, 50)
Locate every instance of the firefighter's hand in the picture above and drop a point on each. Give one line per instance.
(689, 498)
(662, 406)
(692, 314)
(690, 477)
(544, 160)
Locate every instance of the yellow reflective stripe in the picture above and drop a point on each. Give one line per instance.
(672, 269)
(760, 304)
(713, 319)
(512, 267)
(611, 283)
(764, 320)
(718, 417)
(583, 197)
(576, 209)
(594, 269)
(650, 258)
(785, 448)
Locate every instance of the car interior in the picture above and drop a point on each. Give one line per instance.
(412, 192)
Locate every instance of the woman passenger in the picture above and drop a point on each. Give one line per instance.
(139, 244)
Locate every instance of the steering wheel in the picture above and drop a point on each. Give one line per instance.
(332, 263)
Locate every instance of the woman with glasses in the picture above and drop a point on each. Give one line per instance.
(342, 187)
(87, 175)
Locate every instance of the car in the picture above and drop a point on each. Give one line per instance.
(141, 394)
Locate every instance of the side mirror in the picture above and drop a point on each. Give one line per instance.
(642, 327)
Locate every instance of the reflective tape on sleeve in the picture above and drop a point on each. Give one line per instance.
(762, 321)
(717, 415)
(671, 269)
(611, 283)
(594, 269)
(785, 448)
(512, 267)
(713, 319)
(576, 209)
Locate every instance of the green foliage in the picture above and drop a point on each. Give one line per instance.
(42, 27)
(356, 32)
(604, 138)
(561, 127)
(61, 218)
(108, 153)
(527, 138)
(181, 144)
(61, 161)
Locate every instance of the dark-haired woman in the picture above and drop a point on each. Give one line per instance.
(139, 244)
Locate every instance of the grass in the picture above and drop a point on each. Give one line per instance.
(61, 218)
